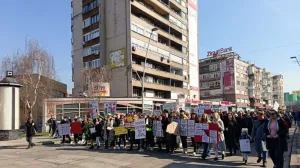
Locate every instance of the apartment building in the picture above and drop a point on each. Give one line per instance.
(122, 33)
(255, 86)
(278, 94)
(267, 85)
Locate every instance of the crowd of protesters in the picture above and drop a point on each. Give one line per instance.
(268, 130)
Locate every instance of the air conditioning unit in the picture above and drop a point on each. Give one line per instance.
(161, 59)
(168, 60)
(133, 48)
(97, 52)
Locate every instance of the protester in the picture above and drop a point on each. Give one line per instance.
(122, 137)
(165, 123)
(195, 144)
(183, 138)
(54, 126)
(30, 129)
(98, 128)
(297, 118)
(49, 122)
(65, 121)
(90, 132)
(231, 134)
(206, 152)
(160, 140)
(149, 133)
(245, 154)
(108, 131)
(76, 136)
(221, 146)
(258, 135)
(276, 139)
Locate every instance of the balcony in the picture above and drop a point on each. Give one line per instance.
(160, 31)
(159, 73)
(155, 86)
(178, 5)
(160, 45)
(151, 13)
(251, 87)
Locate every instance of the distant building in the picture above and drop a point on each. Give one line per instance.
(278, 94)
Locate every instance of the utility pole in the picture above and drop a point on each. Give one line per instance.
(296, 60)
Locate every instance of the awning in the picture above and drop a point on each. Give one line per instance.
(129, 105)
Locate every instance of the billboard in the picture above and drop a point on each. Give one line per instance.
(227, 72)
(100, 89)
(193, 46)
(117, 58)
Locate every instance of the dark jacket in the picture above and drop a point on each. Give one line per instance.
(165, 122)
(98, 129)
(231, 134)
(281, 135)
(30, 129)
(54, 124)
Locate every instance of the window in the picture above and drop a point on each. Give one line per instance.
(243, 83)
(184, 38)
(238, 82)
(89, 21)
(91, 50)
(143, 31)
(91, 35)
(242, 92)
(92, 64)
(237, 91)
(94, 4)
(136, 92)
(238, 100)
(159, 94)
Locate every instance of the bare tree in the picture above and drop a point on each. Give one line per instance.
(32, 68)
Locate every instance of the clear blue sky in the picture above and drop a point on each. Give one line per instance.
(248, 26)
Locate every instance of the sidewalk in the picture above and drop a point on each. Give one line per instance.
(38, 140)
(295, 152)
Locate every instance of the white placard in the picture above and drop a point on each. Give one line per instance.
(213, 140)
(198, 132)
(205, 126)
(157, 129)
(64, 129)
(92, 130)
(205, 139)
(198, 126)
(276, 106)
(245, 145)
(191, 122)
(224, 108)
(157, 112)
(140, 128)
(213, 133)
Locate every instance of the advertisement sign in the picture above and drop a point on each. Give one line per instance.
(94, 109)
(110, 107)
(100, 89)
(218, 52)
(228, 76)
(193, 46)
(117, 58)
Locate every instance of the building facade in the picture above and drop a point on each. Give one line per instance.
(225, 77)
(278, 94)
(123, 33)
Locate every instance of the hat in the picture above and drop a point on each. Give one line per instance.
(166, 111)
(108, 114)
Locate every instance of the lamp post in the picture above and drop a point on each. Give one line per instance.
(143, 77)
(296, 60)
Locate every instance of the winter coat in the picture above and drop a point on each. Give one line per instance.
(281, 132)
(222, 145)
(30, 129)
(258, 135)
(230, 134)
(98, 128)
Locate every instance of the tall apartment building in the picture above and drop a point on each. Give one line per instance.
(121, 33)
(225, 77)
(278, 94)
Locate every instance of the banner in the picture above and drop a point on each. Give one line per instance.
(207, 133)
(94, 109)
(157, 112)
(245, 146)
(129, 125)
(76, 128)
(187, 128)
(140, 128)
(157, 129)
(120, 130)
(170, 107)
(200, 110)
(110, 107)
(64, 129)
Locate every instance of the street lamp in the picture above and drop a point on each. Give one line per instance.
(296, 60)
(143, 78)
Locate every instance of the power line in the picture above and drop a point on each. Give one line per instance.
(281, 46)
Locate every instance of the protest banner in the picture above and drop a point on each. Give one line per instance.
(92, 130)
(76, 128)
(94, 109)
(187, 128)
(224, 108)
(207, 133)
(157, 112)
(120, 130)
(64, 129)
(170, 107)
(245, 146)
(140, 128)
(173, 128)
(110, 107)
(157, 129)
(129, 125)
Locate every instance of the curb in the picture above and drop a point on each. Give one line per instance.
(289, 159)
(25, 145)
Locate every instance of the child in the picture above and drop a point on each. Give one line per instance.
(245, 152)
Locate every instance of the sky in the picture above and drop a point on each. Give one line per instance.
(264, 32)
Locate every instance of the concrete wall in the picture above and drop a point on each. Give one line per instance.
(77, 49)
(117, 31)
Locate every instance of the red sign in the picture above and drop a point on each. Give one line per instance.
(219, 51)
(211, 127)
(76, 128)
(192, 101)
(225, 103)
